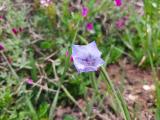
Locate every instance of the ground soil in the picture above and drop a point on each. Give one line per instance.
(139, 90)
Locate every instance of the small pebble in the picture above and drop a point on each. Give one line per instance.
(149, 87)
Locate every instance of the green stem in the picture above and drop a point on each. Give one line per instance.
(117, 95)
(13, 71)
(53, 106)
(94, 82)
(72, 99)
(31, 108)
(75, 35)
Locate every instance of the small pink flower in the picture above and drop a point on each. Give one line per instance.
(45, 3)
(84, 11)
(71, 59)
(89, 26)
(15, 31)
(67, 53)
(118, 2)
(1, 17)
(29, 81)
(1, 47)
(120, 24)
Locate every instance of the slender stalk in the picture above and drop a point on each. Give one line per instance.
(72, 98)
(157, 84)
(53, 106)
(75, 35)
(117, 95)
(13, 71)
(43, 87)
(94, 82)
(31, 108)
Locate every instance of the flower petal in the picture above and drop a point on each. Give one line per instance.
(87, 58)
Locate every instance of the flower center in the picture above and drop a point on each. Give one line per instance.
(88, 60)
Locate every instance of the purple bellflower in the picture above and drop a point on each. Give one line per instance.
(87, 58)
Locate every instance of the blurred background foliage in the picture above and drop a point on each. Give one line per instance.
(38, 51)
